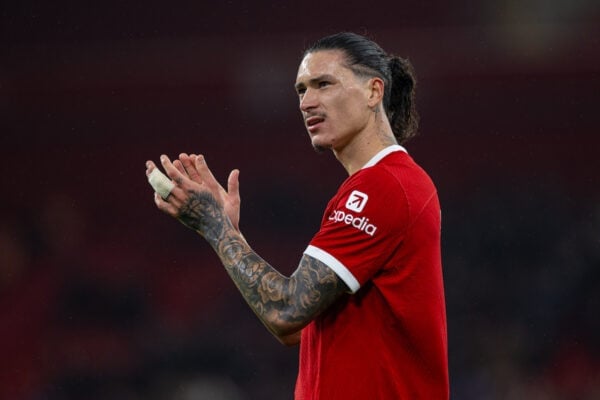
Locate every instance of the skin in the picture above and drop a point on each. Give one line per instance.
(284, 305)
(351, 123)
(354, 125)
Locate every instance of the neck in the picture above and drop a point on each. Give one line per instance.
(355, 154)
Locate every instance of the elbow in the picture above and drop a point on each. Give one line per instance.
(289, 340)
(288, 333)
(284, 328)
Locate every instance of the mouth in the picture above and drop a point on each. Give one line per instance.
(312, 123)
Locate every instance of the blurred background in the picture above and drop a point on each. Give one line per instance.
(104, 297)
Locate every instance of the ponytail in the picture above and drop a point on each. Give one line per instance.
(401, 108)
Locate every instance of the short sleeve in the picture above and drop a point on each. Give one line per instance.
(361, 227)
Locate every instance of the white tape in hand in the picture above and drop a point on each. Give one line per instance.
(161, 184)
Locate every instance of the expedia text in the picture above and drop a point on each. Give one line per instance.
(360, 223)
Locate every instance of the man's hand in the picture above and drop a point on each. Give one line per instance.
(197, 199)
(193, 164)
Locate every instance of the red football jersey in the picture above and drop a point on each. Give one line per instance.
(387, 339)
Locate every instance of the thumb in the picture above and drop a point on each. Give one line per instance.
(233, 183)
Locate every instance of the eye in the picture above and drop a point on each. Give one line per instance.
(323, 84)
(300, 91)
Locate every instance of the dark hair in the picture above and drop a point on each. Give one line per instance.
(366, 58)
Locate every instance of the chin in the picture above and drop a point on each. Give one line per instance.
(319, 146)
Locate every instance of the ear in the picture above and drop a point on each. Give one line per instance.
(376, 88)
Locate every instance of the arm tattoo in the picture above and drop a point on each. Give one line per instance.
(284, 305)
(203, 214)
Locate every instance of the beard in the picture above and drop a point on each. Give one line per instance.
(319, 149)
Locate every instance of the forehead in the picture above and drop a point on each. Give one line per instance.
(322, 62)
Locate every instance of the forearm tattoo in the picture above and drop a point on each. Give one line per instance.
(203, 214)
(283, 304)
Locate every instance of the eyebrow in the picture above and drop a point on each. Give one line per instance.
(319, 78)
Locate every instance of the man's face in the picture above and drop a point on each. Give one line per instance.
(333, 100)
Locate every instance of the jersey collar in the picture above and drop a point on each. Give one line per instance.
(388, 150)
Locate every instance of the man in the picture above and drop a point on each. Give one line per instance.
(366, 302)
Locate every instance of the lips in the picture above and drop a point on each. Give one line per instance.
(313, 122)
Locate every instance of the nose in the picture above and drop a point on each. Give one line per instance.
(309, 100)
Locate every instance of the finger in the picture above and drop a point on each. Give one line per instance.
(159, 181)
(182, 157)
(149, 167)
(180, 167)
(171, 170)
(164, 205)
(233, 184)
(205, 173)
(188, 163)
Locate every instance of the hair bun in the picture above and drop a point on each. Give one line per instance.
(402, 112)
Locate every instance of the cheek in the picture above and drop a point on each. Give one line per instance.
(353, 112)
(342, 104)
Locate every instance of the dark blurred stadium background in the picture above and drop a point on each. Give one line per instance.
(104, 297)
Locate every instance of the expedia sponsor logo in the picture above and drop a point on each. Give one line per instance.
(360, 223)
(357, 201)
